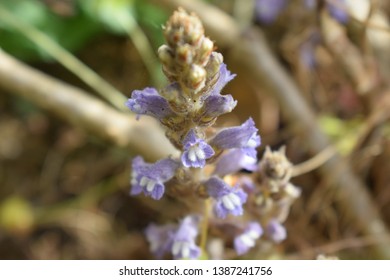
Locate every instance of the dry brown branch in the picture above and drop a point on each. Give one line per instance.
(334, 248)
(81, 109)
(347, 54)
(252, 52)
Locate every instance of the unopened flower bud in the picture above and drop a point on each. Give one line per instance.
(205, 49)
(165, 55)
(214, 65)
(275, 165)
(184, 54)
(183, 28)
(195, 77)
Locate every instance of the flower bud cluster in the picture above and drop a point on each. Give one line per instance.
(196, 74)
(275, 193)
(187, 58)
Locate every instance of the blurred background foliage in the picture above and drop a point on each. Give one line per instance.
(64, 193)
(74, 23)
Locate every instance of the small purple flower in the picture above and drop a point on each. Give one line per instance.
(150, 178)
(183, 246)
(196, 151)
(225, 76)
(310, 4)
(235, 160)
(160, 238)
(228, 200)
(338, 10)
(307, 50)
(276, 231)
(243, 136)
(247, 239)
(149, 102)
(176, 239)
(215, 104)
(268, 10)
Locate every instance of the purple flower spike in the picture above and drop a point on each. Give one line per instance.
(268, 10)
(160, 238)
(338, 10)
(196, 151)
(235, 160)
(229, 200)
(247, 239)
(183, 246)
(243, 136)
(276, 231)
(149, 102)
(150, 178)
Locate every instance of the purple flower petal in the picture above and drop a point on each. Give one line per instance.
(268, 10)
(215, 105)
(225, 76)
(247, 184)
(243, 136)
(150, 178)
(247, 239)
(228, 200)
(235, 160)
(196, 151)
(276, 231)
(149, 102)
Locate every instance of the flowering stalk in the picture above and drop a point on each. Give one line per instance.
(187, 107)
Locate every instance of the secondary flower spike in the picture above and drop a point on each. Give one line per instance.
(228, 200)
(150, 178)
(196, 151)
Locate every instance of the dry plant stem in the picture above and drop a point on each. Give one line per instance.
(205, 225)
(64, 57)
(81, 109)
(145, 50)
(335, 247)
(369, 18)
(314, 162)
(252, 52)
(346, 54)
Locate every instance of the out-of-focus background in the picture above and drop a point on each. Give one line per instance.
(64, 182)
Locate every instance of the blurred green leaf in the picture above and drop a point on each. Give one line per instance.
(70, 32)
(343, 132)
(117, 15)
(16, 215)
(152, 19)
